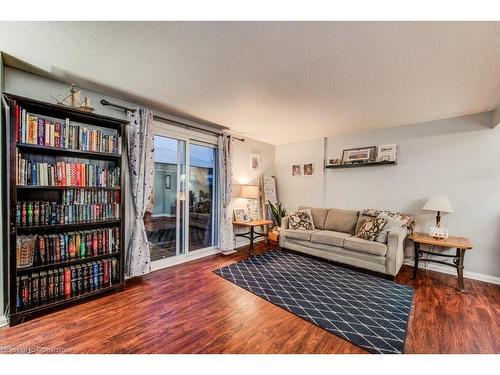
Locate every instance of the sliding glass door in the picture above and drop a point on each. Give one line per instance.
(202, 196)
(182, 216)
(164, 219)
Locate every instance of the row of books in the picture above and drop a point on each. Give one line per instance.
(35, 213)
(36, 130)
(31, 172)
(82, 196)
(41, 288)
(60, 247)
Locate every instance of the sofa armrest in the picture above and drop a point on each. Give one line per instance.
(284, 225)
(395, 251)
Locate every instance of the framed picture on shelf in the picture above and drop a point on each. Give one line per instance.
(387, 152)
(308, 169)
(359, 155)
(296, 170)
(335, 161)
(240, 214)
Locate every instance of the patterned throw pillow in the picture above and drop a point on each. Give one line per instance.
(391, 224)
(371, 228)
(301, 220)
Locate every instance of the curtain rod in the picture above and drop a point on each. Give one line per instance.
(128, 109)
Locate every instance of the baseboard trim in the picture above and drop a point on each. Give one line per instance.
(3, 321)
(451, 271)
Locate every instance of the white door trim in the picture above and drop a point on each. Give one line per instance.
(173, 261)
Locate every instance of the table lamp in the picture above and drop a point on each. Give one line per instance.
(250, 192)
(439, 203)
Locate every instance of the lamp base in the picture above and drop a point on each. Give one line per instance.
(438, 219)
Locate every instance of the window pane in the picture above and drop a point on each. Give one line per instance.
(164, 215)
(202, 196)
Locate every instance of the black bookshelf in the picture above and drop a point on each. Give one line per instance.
(20, 193)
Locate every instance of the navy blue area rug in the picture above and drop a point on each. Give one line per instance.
(366, 310)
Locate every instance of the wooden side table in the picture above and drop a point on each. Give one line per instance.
(460, 243)
(252, 234)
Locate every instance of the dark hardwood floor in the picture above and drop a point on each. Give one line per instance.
(189, 309)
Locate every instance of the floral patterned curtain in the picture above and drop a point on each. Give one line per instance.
(226, 235)
(141, 169)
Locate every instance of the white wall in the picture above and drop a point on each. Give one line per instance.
(296, 191)
(458, 156)
(242, 174)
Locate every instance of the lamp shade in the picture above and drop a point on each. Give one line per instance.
(249, 191)
(439, 203)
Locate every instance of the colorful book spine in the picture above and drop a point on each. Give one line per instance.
(34, 129)
(38, 289)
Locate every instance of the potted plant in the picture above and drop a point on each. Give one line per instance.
(278, 212)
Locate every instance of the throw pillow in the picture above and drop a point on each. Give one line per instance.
(301, 219)
(371, 228)
(390, 225)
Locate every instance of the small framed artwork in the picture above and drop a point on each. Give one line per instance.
(296, 170)
(387, 152)
(240, 214)
(168, 181)
(335, 161)
(357, 155)
(255, 162)
(308, 169)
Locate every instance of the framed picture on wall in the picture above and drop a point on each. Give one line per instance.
(296, 170)
(255, 162)
(308, 169)
(359, 155)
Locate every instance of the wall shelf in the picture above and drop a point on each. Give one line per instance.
(360, 165)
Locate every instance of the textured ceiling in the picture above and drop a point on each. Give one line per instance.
(280, 82)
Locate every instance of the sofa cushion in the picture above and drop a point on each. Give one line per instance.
(299, 234)
(318, 214)
(329, 237)
(341, 220)
(365, 246)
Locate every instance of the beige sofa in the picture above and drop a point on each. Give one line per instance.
(334, 239)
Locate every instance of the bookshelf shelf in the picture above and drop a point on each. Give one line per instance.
(66, 227)
(85, 278)
(23, 315)
(48, 187)
(67, 263)
(29, 148)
